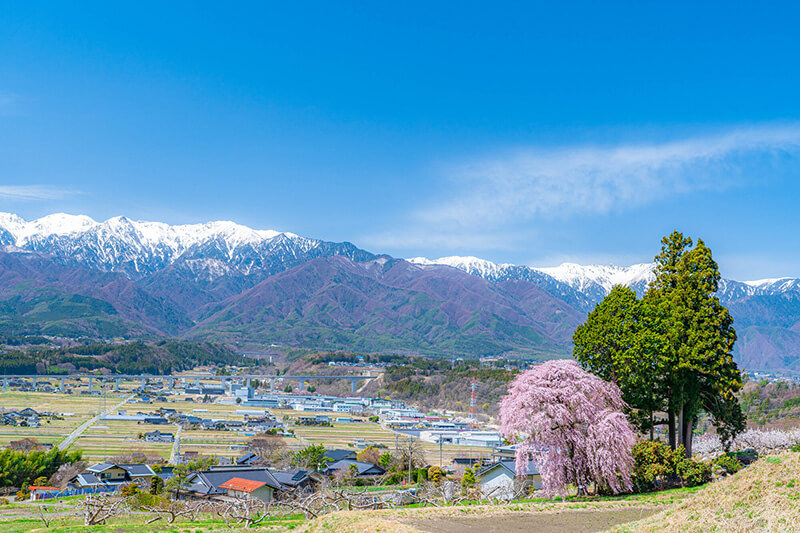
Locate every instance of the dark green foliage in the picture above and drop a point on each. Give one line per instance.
(156, 485)
(671, 351)
(18, 468)
(693, 473)
(163, 357)
(729, 462)
(311, 457)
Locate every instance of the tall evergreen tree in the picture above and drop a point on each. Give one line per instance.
(698, 336)
(670, 351)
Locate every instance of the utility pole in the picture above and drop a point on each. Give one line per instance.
(441, 462)
(410, 453)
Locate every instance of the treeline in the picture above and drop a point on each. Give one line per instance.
(435, 384)
(18, 468)
(162, 357)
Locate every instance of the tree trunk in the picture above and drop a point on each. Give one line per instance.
(681, 426)
(651, 425)
(688, 425)
(671, 422)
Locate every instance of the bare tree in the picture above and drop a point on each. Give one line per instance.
(171, 510)
(98, 509)
(66, 472)
(268, 447)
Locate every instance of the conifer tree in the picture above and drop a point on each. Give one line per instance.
(670, 351)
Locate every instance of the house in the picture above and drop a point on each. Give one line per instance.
(500, 480)
(40, 492)
(297, 479)
(338, 454)
(248, 459)
(155, 420)
(207, 483)
(248, 488)
(157, 436)
(113, 475)
(354, 468)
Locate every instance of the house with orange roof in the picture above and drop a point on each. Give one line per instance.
(40, 492)
(247, 488)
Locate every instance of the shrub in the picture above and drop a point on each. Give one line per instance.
(694, 473)
(156, 485)
(435, 474)
(468, 479)
(654, 464)
(131, 489)
(730, 463)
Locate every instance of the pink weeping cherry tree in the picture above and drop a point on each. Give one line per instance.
(570, 422)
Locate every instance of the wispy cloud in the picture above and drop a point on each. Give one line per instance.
(503, 202)
(33, 192)
(535, 184)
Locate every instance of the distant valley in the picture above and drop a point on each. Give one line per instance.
(69, 275)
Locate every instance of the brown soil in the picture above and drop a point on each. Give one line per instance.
(567, 521)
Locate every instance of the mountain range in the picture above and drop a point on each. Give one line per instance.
(70, 275)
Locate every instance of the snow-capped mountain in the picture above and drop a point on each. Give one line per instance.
(594, 282)
(71, 275)
(584, 278)
(591, 282)
(141, 248)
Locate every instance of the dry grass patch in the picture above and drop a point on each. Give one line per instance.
(762, 497)
(477, 517)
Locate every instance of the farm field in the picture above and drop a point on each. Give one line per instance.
(76, 411)
(107, 438)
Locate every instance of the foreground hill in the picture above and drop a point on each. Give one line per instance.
(762, 497)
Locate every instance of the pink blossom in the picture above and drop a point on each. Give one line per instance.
(571, 423)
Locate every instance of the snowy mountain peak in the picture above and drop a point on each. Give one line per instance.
(581, 277)
(142, 247)
(55, 224)
(470, 264)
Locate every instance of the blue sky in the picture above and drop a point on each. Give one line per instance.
(526, 133)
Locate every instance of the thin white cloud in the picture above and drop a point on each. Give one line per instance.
(502, 202)
(33, 192)
(536, 184)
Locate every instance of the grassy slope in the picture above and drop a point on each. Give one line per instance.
(402, 520)
(763, 497)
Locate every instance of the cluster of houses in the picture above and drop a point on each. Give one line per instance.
(252, 422)
(244, 477)
(248, 477)
(23, 418)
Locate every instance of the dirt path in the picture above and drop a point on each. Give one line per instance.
(568, 521)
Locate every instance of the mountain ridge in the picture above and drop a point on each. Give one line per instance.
(223, 279)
